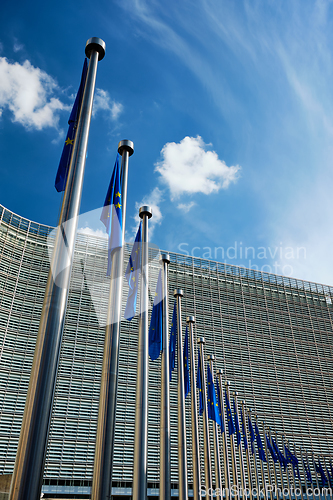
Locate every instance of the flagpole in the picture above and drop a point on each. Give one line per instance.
(104, 448)
(208, 471)
(233, 451)
(217, 459)
(274, 467)
(182, 452)
(281, 472)
(224, 437)
(165, 475)
(255, 464)
(304, 472)
(141, 402)
(247, 452)
(194, 417)
(30, 458)
(299, 480)
(271, 494)
(287, 471)
(293, 476)
(262, 467)
(240, 451)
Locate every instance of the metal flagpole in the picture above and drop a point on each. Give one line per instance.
(182, 452)
(233, 451)
(274, 467)
(208, 471)
(281, 472)
(104, 448)
(262, 468)
(224, 438)
(292, 477)
(141, 402)
(304, 472)
(165, 477)
(315, 474)
(240, 451)
(29, 464)
(217, 459)
(194, 417)
(271, 493)
(300, 482)
(247, 451)
(255, 464)
(287, 472)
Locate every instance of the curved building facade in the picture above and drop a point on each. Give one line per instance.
(272, 336)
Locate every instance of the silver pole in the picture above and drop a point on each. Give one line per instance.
(141, 402)
(299, 480)
(104, 448)
(287, 472)
(240, 451)
(224, 438)
(29, 464)
(274, 467)
(208, 470)
(304, 473)
(281, 471)
(217, 459)
(255, 464)
(182, 452)
(233, 451)
(316, 476)
(165, 477)
(248, 460)
(262, 467)
(271, 493)
(194, 417)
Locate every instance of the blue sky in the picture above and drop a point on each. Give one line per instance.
(229, 105)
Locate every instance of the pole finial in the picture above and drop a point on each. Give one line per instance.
(126, 145)
(178, 292)
(201, 340)
(145, 210)
(211, 357)
(235, 393)
(165, 257)
(97, 44)
(190, 319)
(227, 383)
(219, 371)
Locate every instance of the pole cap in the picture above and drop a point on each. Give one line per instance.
(165, 257)
(97, 44)
(235, 393)
(243, 402)
(219, 371)
(227, 383)
(201, 340)
(145, 210)
(178, 292)
(126, 145)
(211, 357)
(190, 319)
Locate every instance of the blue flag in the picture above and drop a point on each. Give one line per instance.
(112, 214)
(261, 451)
(212, 405)
(173, 340)
(132, 275)
(231, 427)
(252, 435)
(219, 404)
(319, 469)
(187, 386)
(279, 454)
(307, 471)
(290, 457)
(270, 448)
(199, 385)
(238, 432)
(62, 173)
(244, 432)
(155, 328)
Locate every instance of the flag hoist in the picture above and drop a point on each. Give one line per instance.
(194, 417)
(239, 443)
(262, 456)
(29, 464)
(232, 431)
(220, 384)
(182, 455)
(201, 383)
(165, 474)
(217, 459)
(246, 448)
(141, 402)
(253, 451)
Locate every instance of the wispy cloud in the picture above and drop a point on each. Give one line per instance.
(17, 46)
(186, 207)
(103, 102)
(188, 167)
(154, 200)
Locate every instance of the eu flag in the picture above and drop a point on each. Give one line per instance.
(290, 457)
(132, 275)
(307, 471)
(213, 407)
(270, 448)
(279, 454)
(244, 432)
(219, 404)
(261, 451)
(252, 435)
(238, 432)
(319, 469)
(62, 173)
(112, 214)
(199, 385)
(231, 426)
(173, 339)
(186, 367)
(155, 328)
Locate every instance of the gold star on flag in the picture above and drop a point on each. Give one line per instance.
(118, 205)
(118, 194)
(69, 141)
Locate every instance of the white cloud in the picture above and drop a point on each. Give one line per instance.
(186, 207)
(103, 101)
(187, 167)
(17, 46)
(93, 232)
(154, 200)
(26, 91)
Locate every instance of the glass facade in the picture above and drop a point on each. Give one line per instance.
(272, 336)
